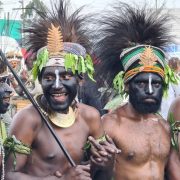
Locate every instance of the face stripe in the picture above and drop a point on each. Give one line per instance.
(57, 78)
(150, 84)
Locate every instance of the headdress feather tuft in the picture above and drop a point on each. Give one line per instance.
(59, 33)
(54, 41)
(125, 27)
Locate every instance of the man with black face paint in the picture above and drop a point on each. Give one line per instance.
(145, 92)
(5, 93)
(59, 41)
(5, 119)
(133, 60)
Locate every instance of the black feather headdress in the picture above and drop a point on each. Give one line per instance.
(73, 26)
(58, 28)
(128, 36)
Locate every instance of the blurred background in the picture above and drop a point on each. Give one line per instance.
(16, 14)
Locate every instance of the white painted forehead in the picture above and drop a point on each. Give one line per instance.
(56, 62)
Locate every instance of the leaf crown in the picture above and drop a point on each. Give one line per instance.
(73, 54)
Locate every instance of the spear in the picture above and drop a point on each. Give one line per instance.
(35, 104)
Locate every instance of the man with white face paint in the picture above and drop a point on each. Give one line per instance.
(5, 118)
(59, 41)
(133, 61)
(150, 85)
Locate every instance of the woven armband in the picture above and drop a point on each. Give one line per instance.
(12, 145)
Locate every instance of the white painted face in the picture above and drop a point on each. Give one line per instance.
(150, 84)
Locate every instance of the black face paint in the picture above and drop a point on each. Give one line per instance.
(145, 92)
(59, 87)
(5, 92)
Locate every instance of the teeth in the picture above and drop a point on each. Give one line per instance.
(57, 95)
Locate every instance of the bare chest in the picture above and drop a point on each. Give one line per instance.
(46, 149)
(143, 142)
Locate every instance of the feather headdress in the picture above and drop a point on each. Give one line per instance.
(132, 41)
(57, 33)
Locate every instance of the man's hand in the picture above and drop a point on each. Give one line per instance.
(80, 172)
(58, 174)
(103, 153)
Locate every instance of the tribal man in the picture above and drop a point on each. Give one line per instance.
(61, 44)
(132, 58)
(5, 119)
(174, 159)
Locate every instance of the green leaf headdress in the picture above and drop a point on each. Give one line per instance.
(131, 41)
(144, 58)
(58, 32)
(58, 53)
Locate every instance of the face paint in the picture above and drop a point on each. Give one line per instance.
(150, 84)
(145, 92)
(16, 65)
(59, 87)
(57, 78)
(5, 92)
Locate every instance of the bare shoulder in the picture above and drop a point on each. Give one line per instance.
(92, 119)
(27, 115)
(164, 123)
(175, 109)
(110, 118)
(114, 116)
(111, 121)
(88, 113)
(25, 121)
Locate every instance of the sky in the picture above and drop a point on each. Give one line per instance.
(95, 5)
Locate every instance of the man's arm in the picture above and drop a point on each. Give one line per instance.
(103, 153)
(24, 127)
(172, 169)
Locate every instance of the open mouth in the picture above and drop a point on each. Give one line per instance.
(60, 97)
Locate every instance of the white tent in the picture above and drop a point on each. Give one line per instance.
(8, 44)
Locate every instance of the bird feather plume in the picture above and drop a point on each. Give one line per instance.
(125, 26)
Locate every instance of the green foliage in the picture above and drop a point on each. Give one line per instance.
(40, 63)
(77, 64)
(87, 146)
(116, 101)
(175, 129)
(12, 145)
(170, 77)
(89, 67)
(30, 11)
(118, 83)
(121, 95)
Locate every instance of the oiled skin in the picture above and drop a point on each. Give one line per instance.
(144, 141)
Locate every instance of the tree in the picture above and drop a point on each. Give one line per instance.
(30, 10)
(1, 3)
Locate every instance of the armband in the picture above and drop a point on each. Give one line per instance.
(175, 129)
(13, 145)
